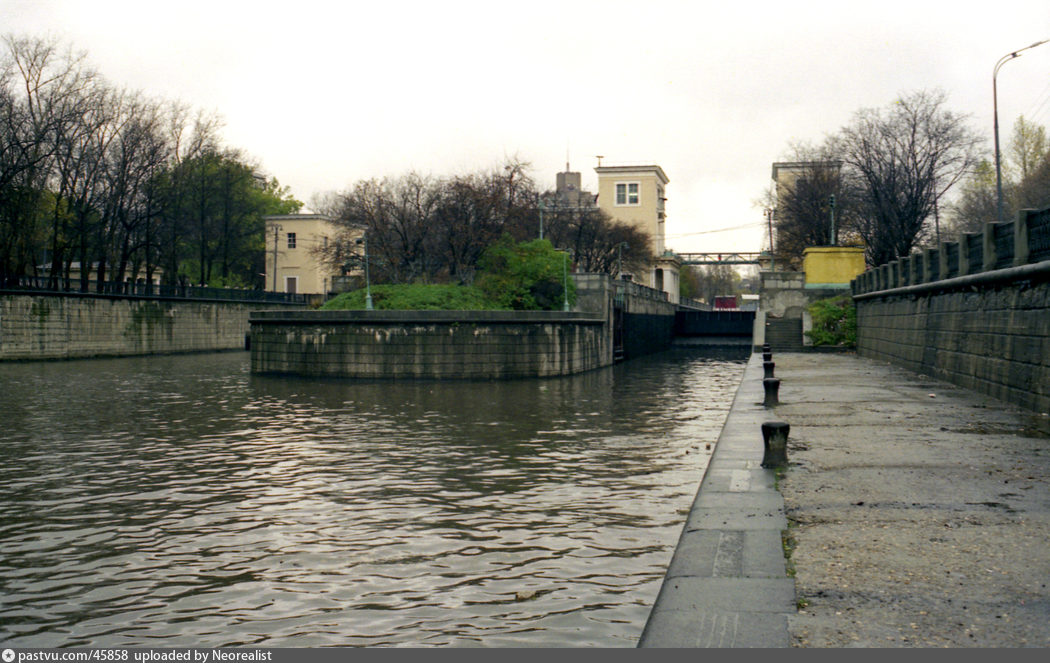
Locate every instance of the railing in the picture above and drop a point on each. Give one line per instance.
(127, 289)
(636, 290)
(727, 258)
(1001, 246)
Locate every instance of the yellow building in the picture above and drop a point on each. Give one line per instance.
(636, 195)
(294, 246)
(832, 266)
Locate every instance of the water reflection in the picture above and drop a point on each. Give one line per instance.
(181, 501)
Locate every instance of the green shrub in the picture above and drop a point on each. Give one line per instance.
(416, 297)
(525, 276)
(512, 276)
(834, 322)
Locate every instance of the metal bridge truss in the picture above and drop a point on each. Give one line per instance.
(720, 258)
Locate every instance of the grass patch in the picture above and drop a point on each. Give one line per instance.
(415, 297)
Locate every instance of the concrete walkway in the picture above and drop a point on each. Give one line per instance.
(916, 514)
(727, 585)
(920, 511)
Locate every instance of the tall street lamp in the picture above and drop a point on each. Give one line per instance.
(995, 120)
(368, 285)
(565, 280)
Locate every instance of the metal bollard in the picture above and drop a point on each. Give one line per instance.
(767, 356)
(772, 387)
(767, 348)
(774, 437)
(768, 366)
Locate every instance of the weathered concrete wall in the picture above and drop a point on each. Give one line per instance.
(64, 326)
(975, 313)
(428, 344)
(648, 319)
(993, 339)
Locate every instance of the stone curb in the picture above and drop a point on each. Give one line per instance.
(727, 584)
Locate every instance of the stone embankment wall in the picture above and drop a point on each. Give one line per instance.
(428, 344)
(975, 313)
(66, 326)
(611, 318)
(648, 319)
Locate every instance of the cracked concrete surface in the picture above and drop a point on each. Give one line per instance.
(919, 512)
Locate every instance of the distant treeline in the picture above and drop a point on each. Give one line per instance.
(130, 187)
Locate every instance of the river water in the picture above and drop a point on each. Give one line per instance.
(182, 502)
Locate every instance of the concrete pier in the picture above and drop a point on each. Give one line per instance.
(727, 585)
(914, 513)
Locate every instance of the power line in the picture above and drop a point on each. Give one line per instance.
(720, 230)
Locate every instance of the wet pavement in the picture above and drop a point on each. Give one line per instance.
(919, 512)
(912, 513)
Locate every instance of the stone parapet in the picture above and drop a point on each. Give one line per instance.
(428, 344)
(62, 326)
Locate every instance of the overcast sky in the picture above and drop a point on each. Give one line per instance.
(323, 94)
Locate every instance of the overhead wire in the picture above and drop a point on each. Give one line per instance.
(719, 230)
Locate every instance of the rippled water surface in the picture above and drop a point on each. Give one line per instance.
(181, 501)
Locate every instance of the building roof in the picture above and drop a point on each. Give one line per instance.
(299, 217)
(799, 165)
(625, 170)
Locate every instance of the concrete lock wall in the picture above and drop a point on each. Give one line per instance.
(61, 326)
(428, 344)
(987, 329)
(466, 344)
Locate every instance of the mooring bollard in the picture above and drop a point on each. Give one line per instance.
(774, 437)
(767, 356)
(768, 366)
(772, 387)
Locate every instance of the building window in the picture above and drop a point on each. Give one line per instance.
(291, 240)
(627, 193)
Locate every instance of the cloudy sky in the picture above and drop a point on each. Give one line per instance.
(323, 94)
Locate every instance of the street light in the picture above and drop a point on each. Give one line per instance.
(772, 253)
(565, 280)
(368, 285)
(540, 205)
(831, 203)
(995, 120)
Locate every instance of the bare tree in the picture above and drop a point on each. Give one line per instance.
(976, 204)
(903, 160)
(41, 104)
(813, 199)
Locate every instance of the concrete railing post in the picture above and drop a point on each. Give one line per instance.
(767, 367)
(945, 267)
(772, 389)
(989, 247)
(931, 265)
(774, 439)
(1021, 240)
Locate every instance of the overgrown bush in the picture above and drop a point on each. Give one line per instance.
(525, 276)
(415, 297)
(834, 322)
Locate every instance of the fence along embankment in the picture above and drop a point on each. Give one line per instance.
(975, 312)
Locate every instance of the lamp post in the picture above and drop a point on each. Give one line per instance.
(772, 253)
(368, 284)
(565, 281)
(995, 122)
(540, 205)
(619, 259)
(277, 228)
(831, 204)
